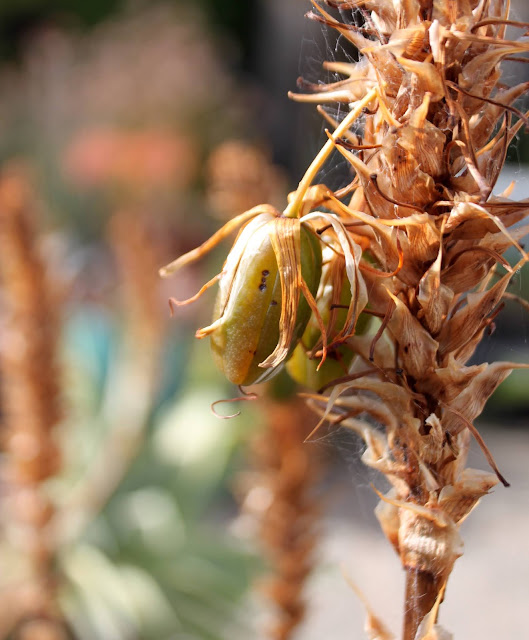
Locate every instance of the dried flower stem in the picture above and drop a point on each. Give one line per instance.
(419, 240)
(439, 131)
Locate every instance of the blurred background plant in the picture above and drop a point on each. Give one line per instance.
(128, 129)
(110, 125)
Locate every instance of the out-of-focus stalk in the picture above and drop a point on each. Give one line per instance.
(31, 407)
(283, 498)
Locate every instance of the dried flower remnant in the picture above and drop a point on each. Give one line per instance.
(426, 160)
(31, 407)
(247, 332)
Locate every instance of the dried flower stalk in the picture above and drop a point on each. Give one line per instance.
(31, 407)
(426, 160)
(279, 488)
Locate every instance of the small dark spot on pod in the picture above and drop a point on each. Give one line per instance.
(262, 287)
(273, 303)
(406, 348)
(265, 272)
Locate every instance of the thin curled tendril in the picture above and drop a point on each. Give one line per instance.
(246, 397)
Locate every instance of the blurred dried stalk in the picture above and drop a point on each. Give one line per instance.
(240, 175)
(31, 409)
(33, 526)
(284, 500)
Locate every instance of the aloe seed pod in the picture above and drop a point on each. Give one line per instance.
(304, 369)
(259, 314)
(333, 300)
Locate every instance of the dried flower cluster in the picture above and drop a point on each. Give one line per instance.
(421, 239)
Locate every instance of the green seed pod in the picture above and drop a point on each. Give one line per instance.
(334, 298)
(260, 313)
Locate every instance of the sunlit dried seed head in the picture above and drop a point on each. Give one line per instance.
(426, 155)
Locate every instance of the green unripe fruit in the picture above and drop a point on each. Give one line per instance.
(304, 370)
(247, 316)
(333, 311)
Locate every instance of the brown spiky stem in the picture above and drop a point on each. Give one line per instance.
(287, 471)
(443, 122)
(30, 397)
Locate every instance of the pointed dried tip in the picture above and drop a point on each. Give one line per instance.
(374, 627)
